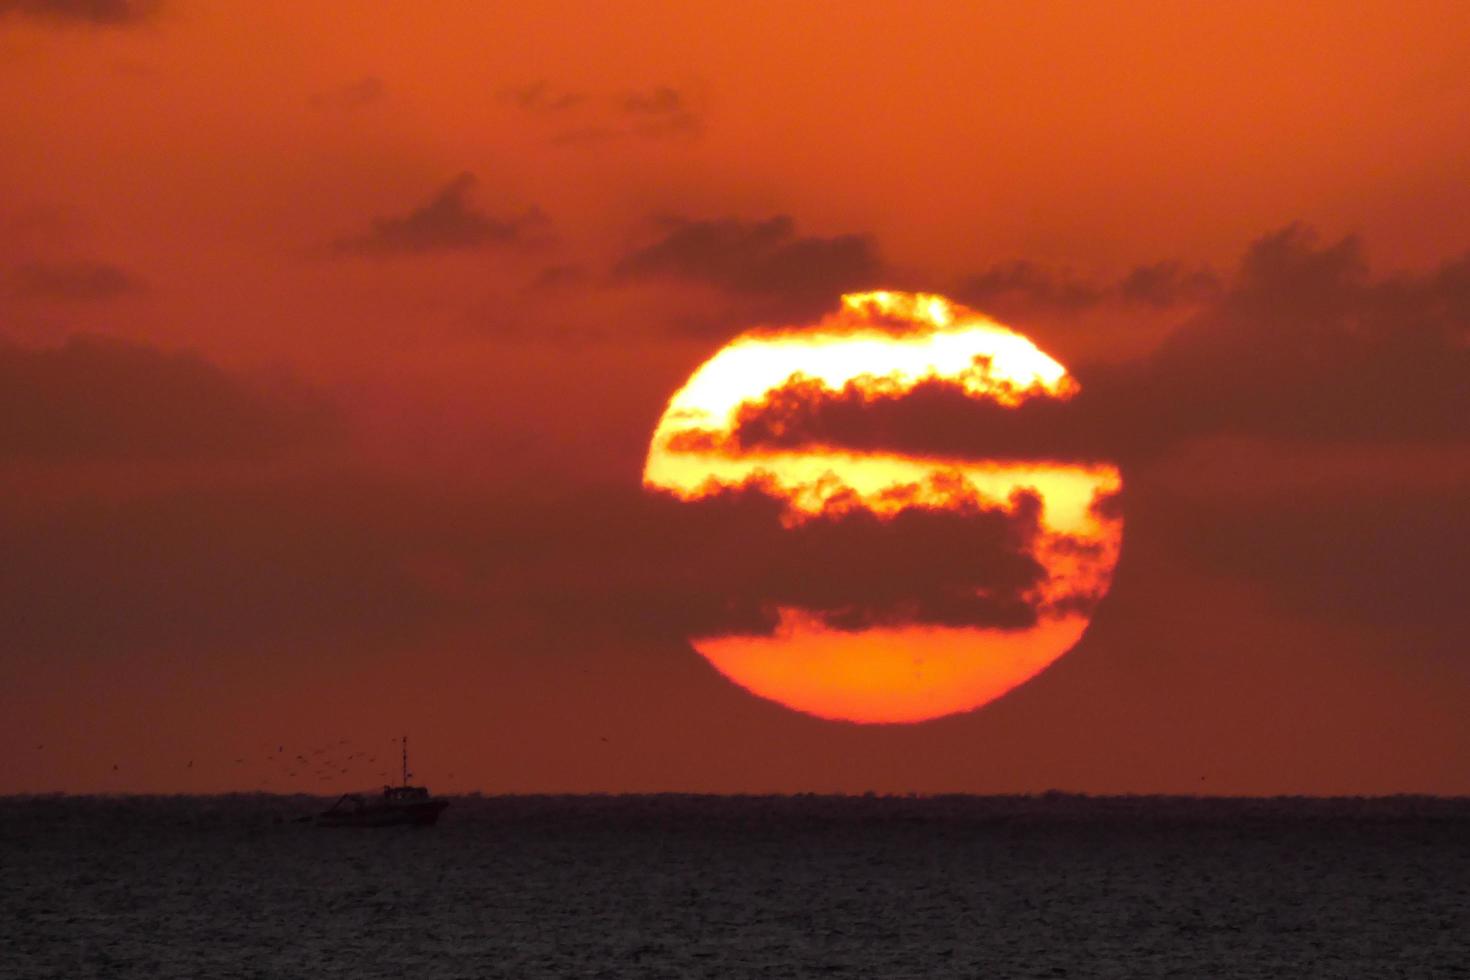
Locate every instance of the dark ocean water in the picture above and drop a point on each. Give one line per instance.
(671, 886)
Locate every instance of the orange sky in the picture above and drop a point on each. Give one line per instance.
(369, 461)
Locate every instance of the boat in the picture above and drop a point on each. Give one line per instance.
(397, 806)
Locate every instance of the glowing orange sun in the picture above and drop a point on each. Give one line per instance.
(805, 415)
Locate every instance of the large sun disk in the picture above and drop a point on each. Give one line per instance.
(892, 341)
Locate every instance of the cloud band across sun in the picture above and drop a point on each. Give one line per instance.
(985, 570)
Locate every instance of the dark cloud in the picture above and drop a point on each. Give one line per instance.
(580, 118)
(1304, 329)
(1382, 556)
(101, 13)
(932, 418)
(446, 222)
(727, 562)
(1305, 351)
(81, 281)
(343, 554)
(1304, 346)
(662, 111)
(557, 277)
(104, 399)
(360, 94)
(211, 567)
(765, 263)
(1168, 284)
(542, 97)
(1029, 284)
(1022, 287)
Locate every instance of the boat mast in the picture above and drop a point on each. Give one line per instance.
(405, 760)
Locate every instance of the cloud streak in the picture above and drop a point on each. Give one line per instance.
(1022, 287)
(97, 13)
(99, 399)
(784, 274)
(79, 281)
(447, 222)
(1304, 345)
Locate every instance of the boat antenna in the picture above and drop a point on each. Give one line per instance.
(405, 760)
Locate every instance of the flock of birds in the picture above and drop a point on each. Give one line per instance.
(323, 763)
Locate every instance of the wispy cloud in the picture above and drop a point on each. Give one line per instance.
(446, 222)
(81, 280)
(98, 13)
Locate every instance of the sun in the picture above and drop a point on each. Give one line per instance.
(955, 576)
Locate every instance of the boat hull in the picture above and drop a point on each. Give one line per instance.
(422, 814)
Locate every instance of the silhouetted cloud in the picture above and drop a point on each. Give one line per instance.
(93, 398)
(231, 565)
(359, 94)
(659, 112)
(1023, 287)
(786, 274)
(1032, 284)
(101, 13)
(932, 418)
(79, 280)
(1307, 345)
(1304, 345)
(1167, 284)
(1305, 350)
(726, 561)
(557, 277)
(662, 111)
(345, 554)
(1381, 552)
(653, 566)
(446, 222)
(542, 97)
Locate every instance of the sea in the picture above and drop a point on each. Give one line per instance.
(744, 886)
